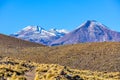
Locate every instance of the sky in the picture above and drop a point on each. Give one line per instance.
(60, 14)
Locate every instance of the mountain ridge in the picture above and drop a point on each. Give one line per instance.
(90, 31)
(39, 35)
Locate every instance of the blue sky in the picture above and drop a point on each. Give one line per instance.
(67, 14)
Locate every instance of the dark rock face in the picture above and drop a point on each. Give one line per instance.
(90, 31)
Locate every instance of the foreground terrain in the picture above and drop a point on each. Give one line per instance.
(13, 69)
(89, 56)
(21, 60)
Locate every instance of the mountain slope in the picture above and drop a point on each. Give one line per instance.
(11, 42)
(90, 31)
(39, 35)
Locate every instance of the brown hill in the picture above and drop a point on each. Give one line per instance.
(10, 45)
(10, 42)
(103, 56)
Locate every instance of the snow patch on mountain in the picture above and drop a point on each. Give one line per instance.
(39, 35)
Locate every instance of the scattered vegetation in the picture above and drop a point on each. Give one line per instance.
(86, 56)
(22, 60)
(13, 69)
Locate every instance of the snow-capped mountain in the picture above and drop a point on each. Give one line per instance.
(39, 35)
(90, 31)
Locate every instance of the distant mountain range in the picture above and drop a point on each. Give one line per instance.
(39, 35)
(90, 31)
